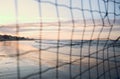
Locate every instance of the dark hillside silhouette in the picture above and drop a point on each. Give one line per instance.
(10, 38)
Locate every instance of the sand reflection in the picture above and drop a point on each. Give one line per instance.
(29, 63)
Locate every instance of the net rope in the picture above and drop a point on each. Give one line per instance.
(103, 61)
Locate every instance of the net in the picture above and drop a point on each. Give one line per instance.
(80, 41)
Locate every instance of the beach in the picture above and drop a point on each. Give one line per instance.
(33, 61)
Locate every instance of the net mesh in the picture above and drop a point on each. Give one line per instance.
(97, 44)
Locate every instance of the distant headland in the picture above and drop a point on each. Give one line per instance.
(12, 38)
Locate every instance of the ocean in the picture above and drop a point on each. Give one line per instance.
(63, 59)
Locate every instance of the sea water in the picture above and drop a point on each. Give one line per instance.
(75, 59)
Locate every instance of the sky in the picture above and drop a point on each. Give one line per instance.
(28, 10)
(64, 10)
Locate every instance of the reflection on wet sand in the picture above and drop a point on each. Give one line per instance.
(29, 63)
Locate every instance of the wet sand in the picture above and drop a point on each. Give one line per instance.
(29, 64)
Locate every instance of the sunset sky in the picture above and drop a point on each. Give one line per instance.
(28, 12)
